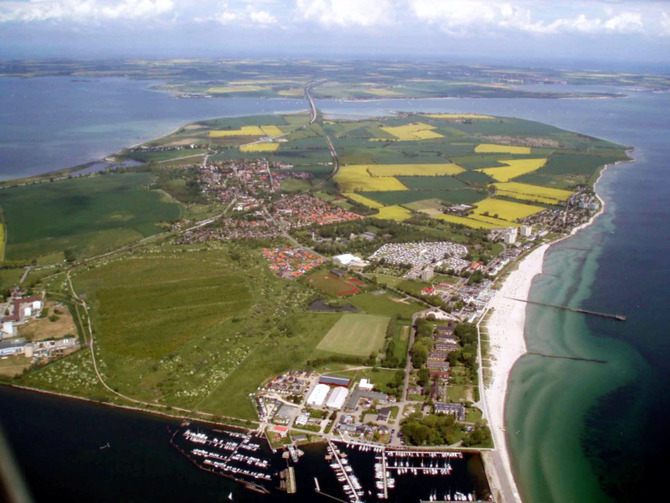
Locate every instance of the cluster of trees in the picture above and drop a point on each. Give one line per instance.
(394, 387)
(439, 429)
(432, 429)
(423, 343)
(480, 436)
(318, 362)
(467, 355)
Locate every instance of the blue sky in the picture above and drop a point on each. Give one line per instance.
(448, 29)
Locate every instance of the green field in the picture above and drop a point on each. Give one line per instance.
(355, 334)
(164, 330)
(385, 305)
(431, 182)
(167, 155)
(272, 357)
(459, 196)
(88, 215)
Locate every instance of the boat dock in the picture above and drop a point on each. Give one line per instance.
(228, 454)
(345, 475)
(618, 317)
(287, 480)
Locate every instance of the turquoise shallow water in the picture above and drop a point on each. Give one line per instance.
(578, 431)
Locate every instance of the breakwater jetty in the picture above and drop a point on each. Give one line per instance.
(618, 317)
(574, 358)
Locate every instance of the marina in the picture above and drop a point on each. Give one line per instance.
(358, 471)
(227, 454)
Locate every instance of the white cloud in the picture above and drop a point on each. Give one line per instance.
(463, 17)
(665, 24)
(82, 11)
(626, 22)
(347, 13)
(251, 15)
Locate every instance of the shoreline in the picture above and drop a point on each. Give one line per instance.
(506, 329)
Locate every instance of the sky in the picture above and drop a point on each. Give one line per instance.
(459, 30)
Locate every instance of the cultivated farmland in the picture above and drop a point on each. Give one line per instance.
(514, 168)
(506, 210)
(413, 132)
(355, 334)
(356, 178)
(489, 148)
(446, 169)
(532, 192)
(260, 147)
(247, 131)
(468, 222)
(363, 200)
(88, 215)
(460, 116)
(397, 213)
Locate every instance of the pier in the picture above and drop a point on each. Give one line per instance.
(618, 317)
(351, 486)
(385, 479)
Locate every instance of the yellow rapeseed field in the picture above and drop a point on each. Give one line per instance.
(356, 178)
(506, 210)
(272, 131)
(459, 116)
(413, 132)
(492, 148)
(470, 222)
(233, 89)
(529, 192)
(514, 168)
(397, 213)
(363, 200)
(260, 147)
(243, 131)
(444, 169)
(293, 92)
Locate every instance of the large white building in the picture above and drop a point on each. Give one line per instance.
(525, 231)
(318, 395)
(350, 260)
(510, 237)
(337, 398)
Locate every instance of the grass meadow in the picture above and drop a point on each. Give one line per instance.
(88, 215)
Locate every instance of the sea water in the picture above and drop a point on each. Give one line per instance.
(577, 431)
(52, 123)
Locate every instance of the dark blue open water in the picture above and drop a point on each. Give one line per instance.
(52, 123)
(577, 431)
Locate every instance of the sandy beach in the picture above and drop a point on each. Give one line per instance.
(505, 328)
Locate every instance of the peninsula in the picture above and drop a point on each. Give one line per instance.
(303, 276)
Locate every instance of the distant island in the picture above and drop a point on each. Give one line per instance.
(300, 275)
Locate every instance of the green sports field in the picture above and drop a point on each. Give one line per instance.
(355, 334)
